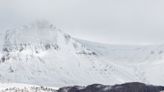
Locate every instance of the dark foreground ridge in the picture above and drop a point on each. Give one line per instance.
(127, 87)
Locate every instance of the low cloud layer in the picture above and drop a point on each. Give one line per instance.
(106, 21)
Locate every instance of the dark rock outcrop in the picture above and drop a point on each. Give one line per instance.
(127, 87)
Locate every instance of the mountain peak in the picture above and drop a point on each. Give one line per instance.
(36, 32)
(40, 35)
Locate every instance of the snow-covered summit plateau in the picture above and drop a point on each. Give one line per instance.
(41, 54)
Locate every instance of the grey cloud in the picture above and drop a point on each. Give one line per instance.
(106, 21)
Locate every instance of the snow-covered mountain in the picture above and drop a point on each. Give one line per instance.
(41, 54)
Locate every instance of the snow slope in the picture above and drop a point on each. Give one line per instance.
(41, 54)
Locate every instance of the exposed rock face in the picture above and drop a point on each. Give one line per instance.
(128, 87)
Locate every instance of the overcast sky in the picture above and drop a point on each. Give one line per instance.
(105, 21)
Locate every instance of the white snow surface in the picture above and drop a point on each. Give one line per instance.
(17, 87)
(41, 54)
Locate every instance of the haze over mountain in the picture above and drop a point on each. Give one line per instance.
(107, 21)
